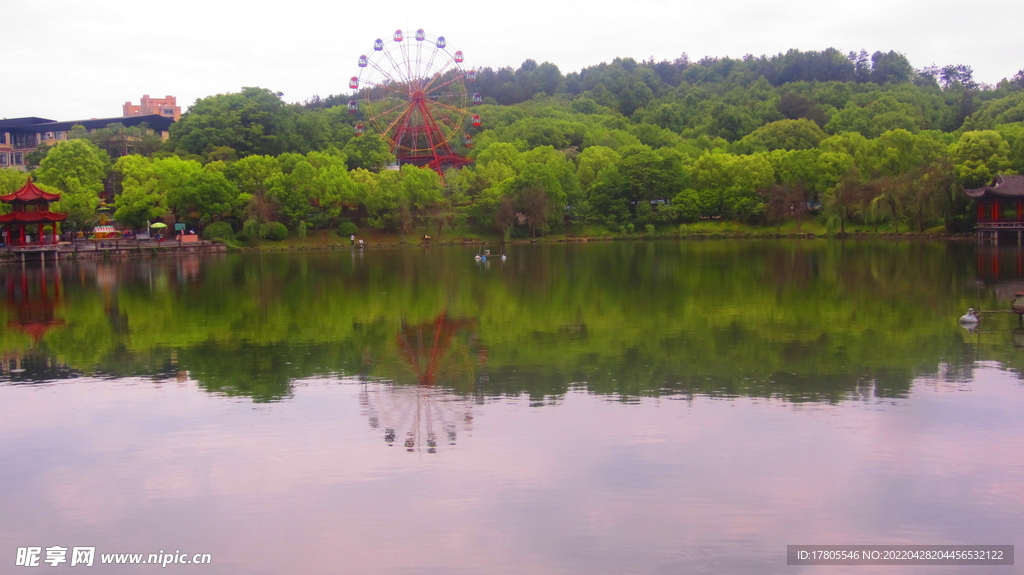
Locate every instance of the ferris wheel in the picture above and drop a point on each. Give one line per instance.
(414, 92)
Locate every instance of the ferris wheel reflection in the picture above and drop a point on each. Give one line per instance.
(417, 417)
(445, 362)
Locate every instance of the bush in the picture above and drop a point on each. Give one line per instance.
(252, 229)
(276, 232)
(347, 229)
(219, 231)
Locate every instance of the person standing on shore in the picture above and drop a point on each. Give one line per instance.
(352, 239)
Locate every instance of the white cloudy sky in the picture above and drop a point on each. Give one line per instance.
(77, 59)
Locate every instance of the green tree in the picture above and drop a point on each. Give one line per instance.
(842, 201)
(333, 191)
(256, 178)
(498, 162)
(295, 193)
(119, 140)
(368, 152)
(386, 204)
(74, 165)
(928, 189)
(202, 197)
(899, 151)
(253, 121)
(609, 197)
(222, 154)
(141, 199)
(728, 184)
(782, 201)
(1014, 136)
(422, 190)
(33, 158)
(592, 161)
(496, 209)
(649, 176)
(890, 67)
(78, 169)
(978, 156)
(799, 134)
(79, 202)
(538, 196)
(11, 180)
(401, 199)
(686, 206)
(731, 122)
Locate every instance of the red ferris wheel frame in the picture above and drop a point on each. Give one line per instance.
(412, 91)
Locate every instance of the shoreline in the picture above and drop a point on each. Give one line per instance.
(399, 244)
(126, 250)
(393, 242)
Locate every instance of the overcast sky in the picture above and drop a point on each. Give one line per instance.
(70, 60)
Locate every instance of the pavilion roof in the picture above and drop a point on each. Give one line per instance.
(32, 217)
(36, 329)
(29, 193)
(1003, 186)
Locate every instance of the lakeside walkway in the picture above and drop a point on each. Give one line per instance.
(119, 247)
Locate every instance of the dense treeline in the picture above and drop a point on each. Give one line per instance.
(626, 145)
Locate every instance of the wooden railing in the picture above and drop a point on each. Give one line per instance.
(1001, 225)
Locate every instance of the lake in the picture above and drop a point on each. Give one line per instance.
(616, 407)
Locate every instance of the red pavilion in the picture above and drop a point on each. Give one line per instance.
(31, 206)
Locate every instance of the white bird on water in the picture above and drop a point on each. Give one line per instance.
(970, 317)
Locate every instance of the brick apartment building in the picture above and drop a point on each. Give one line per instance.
(167, 107)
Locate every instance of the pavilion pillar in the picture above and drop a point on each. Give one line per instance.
(22, 234)
(40, 239)
(995, 211)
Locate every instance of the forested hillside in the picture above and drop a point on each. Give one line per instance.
(627, 145)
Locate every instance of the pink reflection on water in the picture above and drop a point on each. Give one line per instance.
(588, 486)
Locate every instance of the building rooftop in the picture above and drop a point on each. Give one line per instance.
(20, 122)
(1003, 186)
(155, 122)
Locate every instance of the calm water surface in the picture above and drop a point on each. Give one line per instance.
(612, 408)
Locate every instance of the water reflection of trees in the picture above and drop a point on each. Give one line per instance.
(803, 321)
